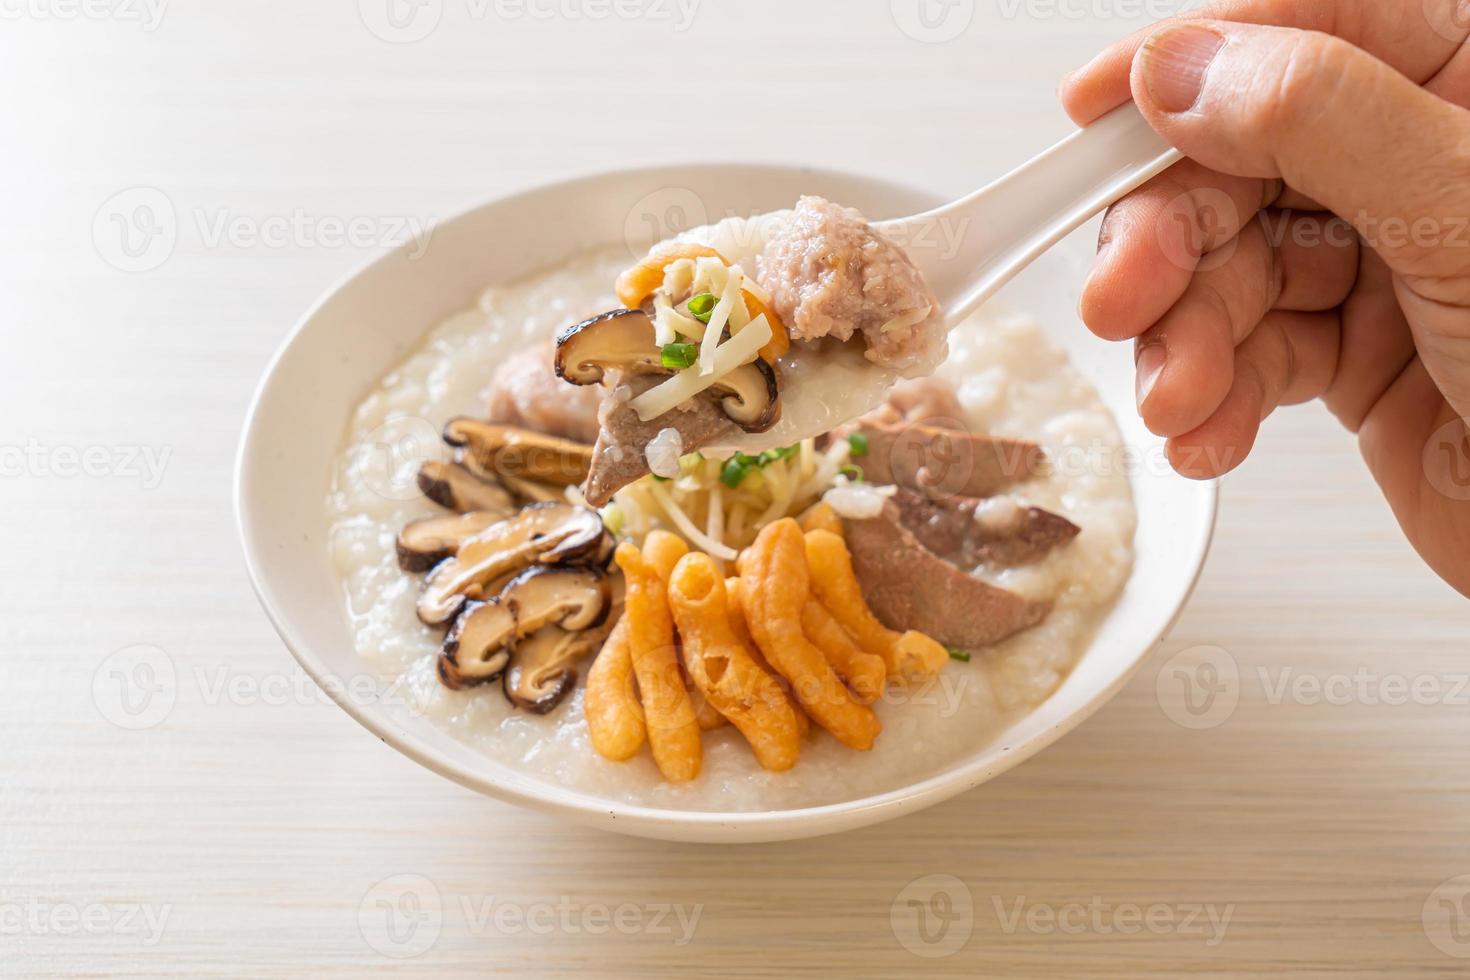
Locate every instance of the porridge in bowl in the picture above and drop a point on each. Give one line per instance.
(605, 594)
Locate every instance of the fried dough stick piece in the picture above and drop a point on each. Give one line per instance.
(614, 717)
(911, 657)
(742, 633)
(723, 669)
(864, 673)
(773, 590)
(673, 731)
(662, 550)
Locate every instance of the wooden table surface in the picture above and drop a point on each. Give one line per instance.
(1321, 825)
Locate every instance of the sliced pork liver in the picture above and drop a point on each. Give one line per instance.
(967, 532)
(910, 587)
(618, 457)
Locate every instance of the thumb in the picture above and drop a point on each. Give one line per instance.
(1327, 118)
(1348, 131)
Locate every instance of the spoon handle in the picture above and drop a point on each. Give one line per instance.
(969, 249)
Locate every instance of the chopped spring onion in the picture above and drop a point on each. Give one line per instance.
(739, 466)
(736, 468)
(677, 356)
(613, 519)
(955, 653)
(858, 444)
(701, 306)
(772, 455)
(726, 357)
(853, 472)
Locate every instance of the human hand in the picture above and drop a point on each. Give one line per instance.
(1316, 243)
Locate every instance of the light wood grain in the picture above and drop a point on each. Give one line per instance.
(260, 823)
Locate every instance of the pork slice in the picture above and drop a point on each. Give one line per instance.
(526, 392)
(967, 532)
(618, 456)
(909, 587)
(929, 400)
(940, 462)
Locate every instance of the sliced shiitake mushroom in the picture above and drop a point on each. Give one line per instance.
(451, 485)
(624, 342)
(490, 449)
(619, 340)
(549, 533)
(476, 649)
(540, 674)
(751, 396)
(483, 638)
(426, 542)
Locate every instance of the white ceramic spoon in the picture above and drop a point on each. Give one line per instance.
(968, 249)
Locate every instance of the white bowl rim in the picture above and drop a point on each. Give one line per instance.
(637, 819)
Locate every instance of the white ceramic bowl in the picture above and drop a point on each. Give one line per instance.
(298, 419)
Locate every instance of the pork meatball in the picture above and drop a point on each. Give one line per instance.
(832, 274)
